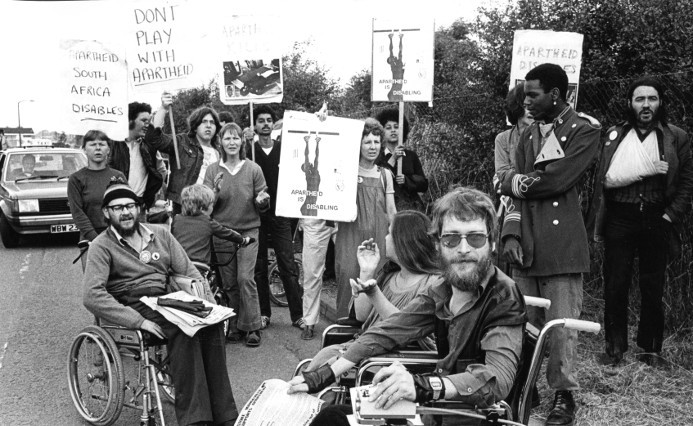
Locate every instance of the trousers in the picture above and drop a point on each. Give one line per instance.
(279, 229)
(198, 370)
(565, 294)
(316, 238)
(631, 228)
(238, 282)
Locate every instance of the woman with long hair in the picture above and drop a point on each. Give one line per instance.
(411, 267)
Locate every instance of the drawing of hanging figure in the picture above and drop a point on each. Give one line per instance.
(397, 67)
(312, 178)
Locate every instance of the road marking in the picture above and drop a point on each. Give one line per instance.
(2, 353)
(22, 271)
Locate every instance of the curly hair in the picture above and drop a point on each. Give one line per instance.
(263, 109)
(392, 114)
(372, 126)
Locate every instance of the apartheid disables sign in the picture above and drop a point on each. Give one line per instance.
(94, 88)
(536, 47)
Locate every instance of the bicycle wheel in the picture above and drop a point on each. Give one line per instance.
(277, 293)
(158, 357)
(219, 295)
(95, 376)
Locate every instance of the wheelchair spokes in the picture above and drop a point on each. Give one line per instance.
(95, 376)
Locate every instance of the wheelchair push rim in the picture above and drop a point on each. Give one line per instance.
(96, 376)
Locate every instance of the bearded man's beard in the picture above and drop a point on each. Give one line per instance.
(466, 280)
(126, 232)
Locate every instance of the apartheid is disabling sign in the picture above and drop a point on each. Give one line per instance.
(536, 47)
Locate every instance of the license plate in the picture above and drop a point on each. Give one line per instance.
(58, 229)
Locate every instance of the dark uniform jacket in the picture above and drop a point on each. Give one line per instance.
(120, 160)
(546, 193)
(679, 178)
(191, 159)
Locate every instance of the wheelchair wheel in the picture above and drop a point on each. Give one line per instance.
(277, 294)
(95, 376)
(158, 357)
(219, 295)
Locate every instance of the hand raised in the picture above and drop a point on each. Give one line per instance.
(368, 256)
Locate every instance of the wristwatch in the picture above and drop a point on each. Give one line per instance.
(437, 387)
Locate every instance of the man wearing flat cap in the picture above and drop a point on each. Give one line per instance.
(130, 260)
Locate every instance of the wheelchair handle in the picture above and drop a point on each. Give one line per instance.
(582, 325)
(539, 302)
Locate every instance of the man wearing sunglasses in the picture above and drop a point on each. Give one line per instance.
(128, 261)
(477, 314)
(544, 233)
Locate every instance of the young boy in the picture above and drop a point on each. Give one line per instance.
(194, 227)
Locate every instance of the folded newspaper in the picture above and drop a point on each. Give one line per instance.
(188, 323)
(270, 405)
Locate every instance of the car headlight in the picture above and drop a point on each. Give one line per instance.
(28, 206)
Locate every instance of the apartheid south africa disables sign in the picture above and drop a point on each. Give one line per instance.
(318, 170)
(94, 85)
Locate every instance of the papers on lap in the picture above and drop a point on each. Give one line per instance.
(270, 405)
(188, 323)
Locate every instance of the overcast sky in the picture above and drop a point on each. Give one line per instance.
(339, 31)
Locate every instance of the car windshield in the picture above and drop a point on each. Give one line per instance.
(32, 166)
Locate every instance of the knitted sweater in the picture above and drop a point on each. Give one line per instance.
(114, 269)
(235, 205)
(85, 193)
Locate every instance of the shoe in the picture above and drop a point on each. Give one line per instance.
(563, 411)
(610, 360)
(299, 323)
(653, 359)
(308, 332)
(264, 322)
(253, 338)
(234, 336)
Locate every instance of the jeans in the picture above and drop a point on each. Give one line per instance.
(630, 227)
(316, 238)
(565, 294)
(238, 283)
(198, 371)
(279, 228)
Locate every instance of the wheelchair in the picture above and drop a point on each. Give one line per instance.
(96, 374)
(514, 409)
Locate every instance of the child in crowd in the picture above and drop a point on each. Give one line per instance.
(194, 227)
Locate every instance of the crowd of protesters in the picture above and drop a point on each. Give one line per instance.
(216, 188)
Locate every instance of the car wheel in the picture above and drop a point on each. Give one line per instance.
(10, 238)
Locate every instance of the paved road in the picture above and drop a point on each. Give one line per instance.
(41, 312)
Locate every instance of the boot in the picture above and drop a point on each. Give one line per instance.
(563, 411)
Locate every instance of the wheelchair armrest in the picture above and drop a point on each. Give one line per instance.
(336, 334)
(415, 361)
(353, 322)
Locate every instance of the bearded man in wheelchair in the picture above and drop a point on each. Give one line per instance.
(477, 315)
(130, 260)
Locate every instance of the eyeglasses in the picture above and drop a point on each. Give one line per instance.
(120, 207)
(474, 239)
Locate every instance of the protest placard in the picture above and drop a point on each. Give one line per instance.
(536, 47)
(160, 55)
(251, 65)
(402, 61)
(94, 89)
(318, 173)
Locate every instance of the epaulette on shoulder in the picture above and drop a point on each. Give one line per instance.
(593, 121)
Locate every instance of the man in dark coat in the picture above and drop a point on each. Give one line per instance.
(643, 191)
(548, 240)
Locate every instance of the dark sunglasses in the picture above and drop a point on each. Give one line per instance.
(474, 239)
